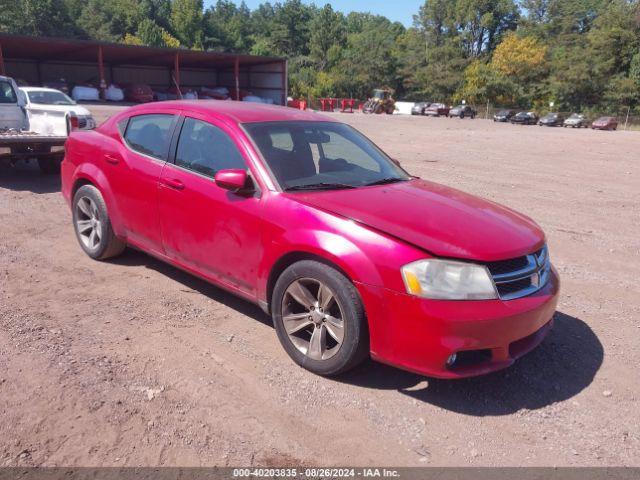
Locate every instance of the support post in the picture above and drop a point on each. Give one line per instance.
(176, 73)
(2, 70)
(236, 75)
(103, 82)
(285, 74)
(626, 120)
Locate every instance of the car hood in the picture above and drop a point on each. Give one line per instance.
(441, 220)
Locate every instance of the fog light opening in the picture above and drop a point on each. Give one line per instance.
(452, 359)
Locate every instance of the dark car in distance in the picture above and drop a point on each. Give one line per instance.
(138, 92)
(605, 123)
(437, 110)
(551, 120)
(525, 118)
(576, 120)
(419, 108)
(462, 111)
(503, 115)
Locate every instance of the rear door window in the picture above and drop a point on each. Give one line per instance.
(150, 134)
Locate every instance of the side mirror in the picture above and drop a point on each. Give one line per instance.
(231, 179)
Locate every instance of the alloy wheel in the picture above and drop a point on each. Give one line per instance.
(88, 223)
(313, 318)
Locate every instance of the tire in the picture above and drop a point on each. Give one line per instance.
(49, 166)
(334, 358)
(88, 206)
(461, 115)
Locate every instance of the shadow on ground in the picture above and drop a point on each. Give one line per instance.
(27, 177)
(193, 284)
(561, 367)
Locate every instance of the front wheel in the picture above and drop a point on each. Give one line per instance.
(319, 318)
(93, 226)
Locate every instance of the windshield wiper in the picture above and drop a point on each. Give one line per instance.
(384, 181)
(319, 186)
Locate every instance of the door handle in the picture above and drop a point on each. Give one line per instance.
(173, 183)
(111, 159)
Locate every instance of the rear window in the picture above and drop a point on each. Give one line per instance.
(7, 93)
(150, 134)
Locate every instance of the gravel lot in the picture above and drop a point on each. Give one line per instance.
(132, 362)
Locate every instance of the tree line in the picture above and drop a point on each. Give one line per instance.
(580, 54)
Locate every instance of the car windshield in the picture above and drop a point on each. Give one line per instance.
(575, 116)
(46, 97)
(504, 112)
(322, 155)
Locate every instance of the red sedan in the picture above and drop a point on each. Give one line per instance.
(306, 217)
(605, 123)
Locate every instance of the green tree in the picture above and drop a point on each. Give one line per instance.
(327, 31)
(38, 18)
(187, 22)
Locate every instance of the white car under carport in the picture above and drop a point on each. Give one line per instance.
(42, 103)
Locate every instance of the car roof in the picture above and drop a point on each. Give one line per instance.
(238, 112)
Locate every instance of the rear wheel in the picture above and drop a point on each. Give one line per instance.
(319, 318)
(93, 226)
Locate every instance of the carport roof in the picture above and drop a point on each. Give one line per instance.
(46, 49)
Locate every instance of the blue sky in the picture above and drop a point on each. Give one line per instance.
(396, 10)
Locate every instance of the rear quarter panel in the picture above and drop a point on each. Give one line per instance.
(84, 162)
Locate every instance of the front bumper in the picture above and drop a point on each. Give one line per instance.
(419, 335)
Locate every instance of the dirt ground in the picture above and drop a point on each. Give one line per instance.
(132, 362)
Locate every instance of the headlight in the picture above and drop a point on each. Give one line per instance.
(448, 280)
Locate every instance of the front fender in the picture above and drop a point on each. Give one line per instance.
(365, 255)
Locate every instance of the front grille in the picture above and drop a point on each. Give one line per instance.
(521, 276)
(506, 266)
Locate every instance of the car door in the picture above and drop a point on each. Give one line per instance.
(134, 172)
(211, 230)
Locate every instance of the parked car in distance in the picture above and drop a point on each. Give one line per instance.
(551, 120)
(419, 108)
(525, 118)
(27, 134)
(462, 111)
(138, 92)
(42, 101)
(504, 115)
(576, 120)
(605, 123)
(436, 110)
(303, 215)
